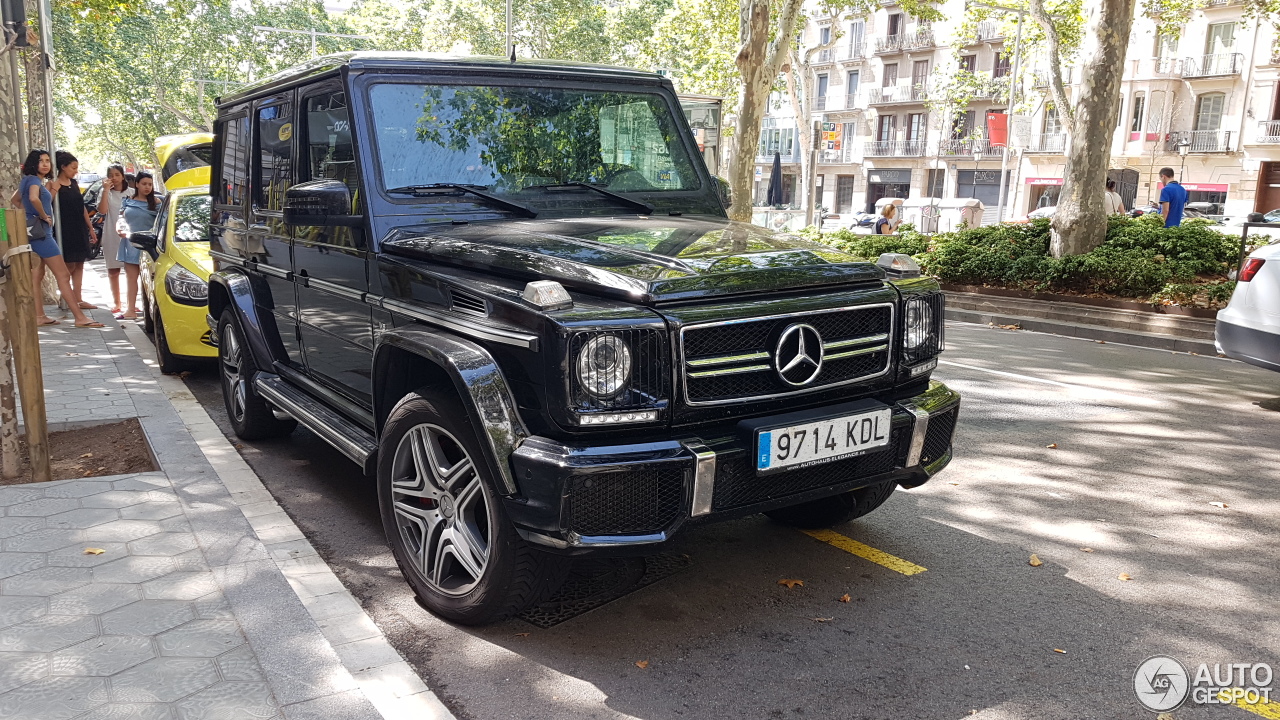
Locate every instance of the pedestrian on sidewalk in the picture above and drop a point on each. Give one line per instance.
(139, 215)
(37, 201)
(77, 226)
(114, 190)
(887, 223)
(1173, 198)
(1114, 203)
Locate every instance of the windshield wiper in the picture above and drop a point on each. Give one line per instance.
(643, 207)
(429, 190)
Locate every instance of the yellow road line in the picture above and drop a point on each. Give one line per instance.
(865, 552)
(1263, 708)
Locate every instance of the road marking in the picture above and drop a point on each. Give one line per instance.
(865, 552)
(1263, 707)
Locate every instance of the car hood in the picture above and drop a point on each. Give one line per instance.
(193, 256)
(643, 259)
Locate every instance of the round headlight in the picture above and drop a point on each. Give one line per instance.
(919, 321)
(604, 365)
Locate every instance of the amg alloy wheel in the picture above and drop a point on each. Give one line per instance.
(251, 418)
(444, 519)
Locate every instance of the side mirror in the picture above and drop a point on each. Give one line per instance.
(724, 191)
(146, 242)
(320, 202)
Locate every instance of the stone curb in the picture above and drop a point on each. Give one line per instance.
(1087, 332)
(253, 585)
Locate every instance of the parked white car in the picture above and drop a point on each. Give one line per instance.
(1249, 327)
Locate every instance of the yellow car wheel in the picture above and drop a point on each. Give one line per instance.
(148, 313)
(169, 363)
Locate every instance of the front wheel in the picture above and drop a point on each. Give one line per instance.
(445, 522)
(170, 364)
(834, 510)
(251, 417)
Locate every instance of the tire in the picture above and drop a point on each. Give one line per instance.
(170, 364)
(251, 418)
(444, 519)
(836, 510)
(148, 314)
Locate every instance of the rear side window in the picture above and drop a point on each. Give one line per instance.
(274, 164)
(234, 186)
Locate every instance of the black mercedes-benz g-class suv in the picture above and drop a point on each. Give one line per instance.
(510, 291)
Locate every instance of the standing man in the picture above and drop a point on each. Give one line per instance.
(1173, 198)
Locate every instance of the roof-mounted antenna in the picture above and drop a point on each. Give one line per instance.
(511, 46)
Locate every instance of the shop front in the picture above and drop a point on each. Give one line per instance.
(1042, 192)
(983, 186)
(887, 183)
(1208, 198)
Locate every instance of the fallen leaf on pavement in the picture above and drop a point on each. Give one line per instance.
(642, 664)
(821, 619)
(522, 634)
(87, 455)
(93, 551)
(1219, 505)
(1009, 327)
(1086, 549)
(1060, 651)
(953, 483)
(1102, 342)
(791, 584)
(1052, 445)
(1124, 576)
(1035, 561)
(184, 374)
(845, 598)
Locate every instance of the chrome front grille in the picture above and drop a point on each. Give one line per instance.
(736, 360)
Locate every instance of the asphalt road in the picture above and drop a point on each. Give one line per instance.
(1145, 441)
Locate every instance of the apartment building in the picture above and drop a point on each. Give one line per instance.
(1205, 102)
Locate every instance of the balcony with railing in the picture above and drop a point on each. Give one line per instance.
(1047, 143)
(893, 148)
(985, 31)
(995, 88)
(1158, 67)
(1040, 78)
(854, 52)
(823, 57)
(1199, 141)
(1216, 65)
(968, 147)
(921, 39)
(904, 93)
(1269, 131)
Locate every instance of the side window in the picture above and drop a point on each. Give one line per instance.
(161, 226)
(273, 161)
(233, 186)
(330, 152)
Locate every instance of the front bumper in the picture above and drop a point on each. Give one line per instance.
(580, 498)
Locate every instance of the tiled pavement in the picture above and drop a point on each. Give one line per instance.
(206, 602)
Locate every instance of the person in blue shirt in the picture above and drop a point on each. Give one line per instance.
(1173, 198)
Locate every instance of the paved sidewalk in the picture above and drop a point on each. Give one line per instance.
(206, 602)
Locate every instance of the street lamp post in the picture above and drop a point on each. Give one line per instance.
(1184, 147)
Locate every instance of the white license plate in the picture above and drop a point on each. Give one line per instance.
(821, 441)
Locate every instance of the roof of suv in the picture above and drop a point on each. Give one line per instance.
(380, 60)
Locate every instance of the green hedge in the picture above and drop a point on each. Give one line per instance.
(1139, 258)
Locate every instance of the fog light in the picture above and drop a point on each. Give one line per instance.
(618, 418)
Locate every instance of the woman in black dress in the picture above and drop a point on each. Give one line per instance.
(77, 227)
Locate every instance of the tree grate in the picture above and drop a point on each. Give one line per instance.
(593, 583)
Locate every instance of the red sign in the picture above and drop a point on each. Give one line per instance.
(997, 129)
(1205, 187)
(1044, 181)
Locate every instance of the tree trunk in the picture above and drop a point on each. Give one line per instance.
(1080, 222)
(759, 62)
(10, 128)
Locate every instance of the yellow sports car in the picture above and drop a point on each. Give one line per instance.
(175, 278)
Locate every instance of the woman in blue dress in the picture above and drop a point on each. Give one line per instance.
(139, 215)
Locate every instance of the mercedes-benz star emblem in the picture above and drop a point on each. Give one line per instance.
(798, 357)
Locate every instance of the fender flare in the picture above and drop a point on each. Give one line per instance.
(235, 291)
(479, 383)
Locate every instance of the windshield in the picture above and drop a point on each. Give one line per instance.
(191, 219)
(508, 139)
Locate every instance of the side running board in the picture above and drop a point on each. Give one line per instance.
(350, 439)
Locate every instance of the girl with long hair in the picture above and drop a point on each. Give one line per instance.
(114, 190)
(77, 227)
(139, 215)
(37, 202)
